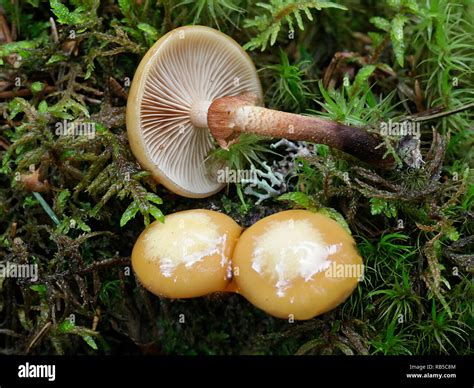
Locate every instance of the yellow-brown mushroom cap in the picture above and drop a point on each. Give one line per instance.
(296, 264)
(189, 255)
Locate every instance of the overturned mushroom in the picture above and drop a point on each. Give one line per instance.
(196, 81)
(187, 256)
(176, 81)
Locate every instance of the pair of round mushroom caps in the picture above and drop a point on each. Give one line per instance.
(196, 88)
(293, 264)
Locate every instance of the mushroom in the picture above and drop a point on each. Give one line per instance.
(296, 264)
(186, 256)
(171, 91)
(196, 81)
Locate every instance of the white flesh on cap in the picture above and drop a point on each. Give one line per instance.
(289, 250)
(187, 256)
(296, 264)
(174, 85)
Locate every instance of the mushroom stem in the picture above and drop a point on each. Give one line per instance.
(229, 116)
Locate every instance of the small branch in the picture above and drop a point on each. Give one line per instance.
(104, 264)
(37, 337)
(25, 92)
(379, 49)
(5, 33)
(4, 144)
(10, 333)
(437, 113)
(98, 265)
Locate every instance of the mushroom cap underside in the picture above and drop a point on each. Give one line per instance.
(176, 81)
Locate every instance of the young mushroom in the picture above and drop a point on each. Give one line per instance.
(187, 256)
(296, 264)
(196, 82)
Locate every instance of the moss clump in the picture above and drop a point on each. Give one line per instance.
(73, 199)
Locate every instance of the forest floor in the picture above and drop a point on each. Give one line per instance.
(376, 64)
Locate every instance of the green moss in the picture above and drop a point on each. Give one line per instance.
(413, 226)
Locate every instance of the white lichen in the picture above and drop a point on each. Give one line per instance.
(271, 181)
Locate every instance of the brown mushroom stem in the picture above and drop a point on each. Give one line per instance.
(229, 116)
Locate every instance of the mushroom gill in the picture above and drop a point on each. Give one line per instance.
(171, 92)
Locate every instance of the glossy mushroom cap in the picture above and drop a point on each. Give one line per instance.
(296, 264)
(173, 87)
(187, 256)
